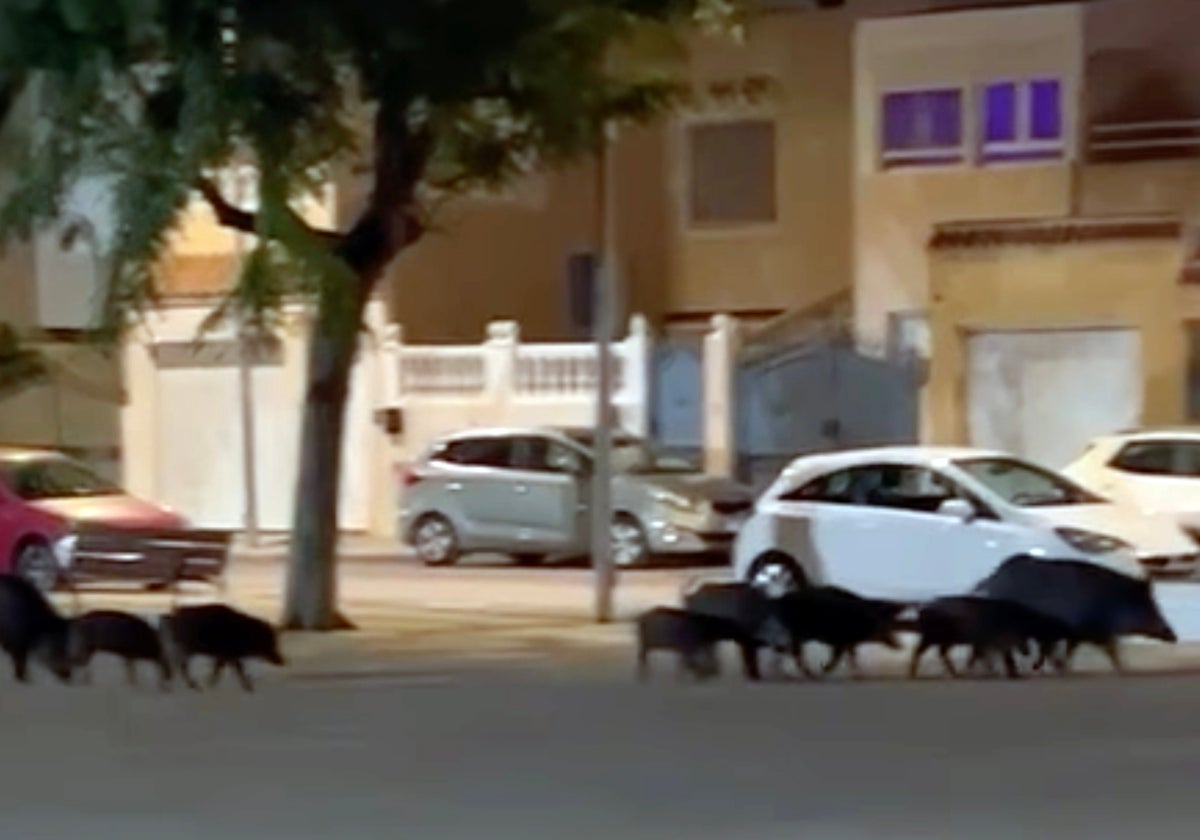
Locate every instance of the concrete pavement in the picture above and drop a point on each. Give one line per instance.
(446, 751)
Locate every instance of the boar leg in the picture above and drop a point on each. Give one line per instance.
(186, 673)
(947, 662)
(243, 677)
(643, 663)
(914, 664)
(131, 671)
(214, 676)
(1109, 646)
(836, 655)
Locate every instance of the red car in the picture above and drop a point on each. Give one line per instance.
(45, 496)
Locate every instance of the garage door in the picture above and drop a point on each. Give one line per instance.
(200, 441)
(1043, 394)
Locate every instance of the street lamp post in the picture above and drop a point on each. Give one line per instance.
(603, 321)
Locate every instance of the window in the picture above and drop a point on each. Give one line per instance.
(477, 452)
(732, 173)
(1021, 121)
(922, 128)
(1159, 457)
(542, 455)
(884, 485)
(1023, 484)
(54, 479)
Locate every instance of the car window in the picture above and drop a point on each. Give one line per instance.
(55, 479)
(896, 486)
(541, 454)
(1159, 457)
(1023, 484)
(476, 452)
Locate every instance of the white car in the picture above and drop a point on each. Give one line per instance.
(1156, 471)
(913, 523)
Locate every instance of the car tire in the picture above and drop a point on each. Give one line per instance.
(435, 540)
(34, 561)
(528, 559)
(776, 573)
(627, 539)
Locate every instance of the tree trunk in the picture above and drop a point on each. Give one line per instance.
(311, 599)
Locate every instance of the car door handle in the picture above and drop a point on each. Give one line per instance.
(522, 489)
(454, 486)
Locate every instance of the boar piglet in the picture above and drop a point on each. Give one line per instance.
(746, 606)
(222, 633)
(121, 634)
(839, 619)
(31, 627)
(985, 625)
(694, 638)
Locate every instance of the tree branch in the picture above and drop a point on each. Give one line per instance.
(230, 216)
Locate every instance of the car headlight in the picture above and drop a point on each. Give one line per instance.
(1089, 542)
(675, 500)
(64, 550)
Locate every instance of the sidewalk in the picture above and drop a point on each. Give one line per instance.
(419, 636)
(273, 548)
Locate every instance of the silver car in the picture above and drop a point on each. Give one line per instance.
(525, 492)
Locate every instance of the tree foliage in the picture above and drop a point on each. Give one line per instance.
(432, 97)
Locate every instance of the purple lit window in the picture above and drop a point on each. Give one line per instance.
(1022, 121)
(1045, 110)
(922, 127)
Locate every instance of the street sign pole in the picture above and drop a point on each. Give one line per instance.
(603, 318)
(246, 349)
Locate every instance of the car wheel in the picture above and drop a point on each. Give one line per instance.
(776, 574)
(528, 559)
(34, 561)
(628, 542)
(434, 539)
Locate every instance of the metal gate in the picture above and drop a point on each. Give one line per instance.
(817, 396)
(677, 382)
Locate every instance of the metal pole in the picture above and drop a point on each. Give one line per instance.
(602, 559)
(245, 370)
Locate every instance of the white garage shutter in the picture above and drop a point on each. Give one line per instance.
(1043, 394)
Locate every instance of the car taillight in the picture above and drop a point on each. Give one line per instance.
(410, 477)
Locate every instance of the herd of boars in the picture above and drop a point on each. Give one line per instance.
(32, 630)
(1038, 609)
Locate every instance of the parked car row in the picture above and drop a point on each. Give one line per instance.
(893, 522)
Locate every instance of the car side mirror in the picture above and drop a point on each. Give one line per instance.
(959, 509)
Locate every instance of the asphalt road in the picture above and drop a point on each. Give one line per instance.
(476, 754)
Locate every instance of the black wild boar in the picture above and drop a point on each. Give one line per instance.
(839, 619)
(1049, 636)
(985, 625)
(219, 632)
(120, 634)
(694, 637)
(745, 605)
(1098, 604)
(31, 627)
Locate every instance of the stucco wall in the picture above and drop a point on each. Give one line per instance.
(896, 210)
(1130, 284)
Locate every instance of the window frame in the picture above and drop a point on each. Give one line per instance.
(1024, 148)
(982, 509)
(931, 157)
(1172, 445)
(439, 454)
(688, 223)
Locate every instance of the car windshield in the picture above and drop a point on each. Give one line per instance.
(54, 478)
(1024, 485)
(635, 455)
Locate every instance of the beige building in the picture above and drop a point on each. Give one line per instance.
(1025, 196)
(892, 160)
